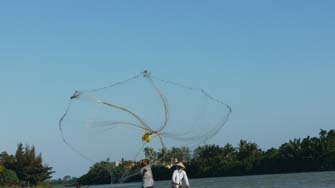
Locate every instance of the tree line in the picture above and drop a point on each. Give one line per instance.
(24, 168)
(296, 155)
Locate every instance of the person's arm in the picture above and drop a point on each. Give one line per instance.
(143, 172)
(174, 177)
(186, 179)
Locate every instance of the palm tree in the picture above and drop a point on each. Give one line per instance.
(229, 152)
(247, 149)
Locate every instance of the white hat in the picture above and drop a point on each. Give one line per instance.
(180, 164)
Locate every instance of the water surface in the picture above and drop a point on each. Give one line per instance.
(294, 180)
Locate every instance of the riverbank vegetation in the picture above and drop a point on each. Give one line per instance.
(296, 155)
(25, 168)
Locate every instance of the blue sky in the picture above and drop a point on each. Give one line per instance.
(272, 61)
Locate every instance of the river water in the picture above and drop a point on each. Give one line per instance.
(294, 180)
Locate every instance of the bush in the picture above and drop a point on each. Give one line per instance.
(8, 177)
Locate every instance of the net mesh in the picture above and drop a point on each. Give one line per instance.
(133, 118)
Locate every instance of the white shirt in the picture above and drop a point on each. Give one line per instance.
(178, 176)
(147, 178)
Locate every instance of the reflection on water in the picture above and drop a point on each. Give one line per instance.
(296, 180)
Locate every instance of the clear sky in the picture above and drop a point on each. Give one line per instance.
(272, 61)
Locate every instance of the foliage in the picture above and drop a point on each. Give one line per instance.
(7, 177)
(24, 167)
(297, 155)
(66, 180)
(106, 172)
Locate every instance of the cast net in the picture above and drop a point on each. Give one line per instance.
(131, 119)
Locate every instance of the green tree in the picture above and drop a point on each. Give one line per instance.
(29, 166)
(229, 152)
(7, 177)
(296, 155)
(327, 157)
(206, 160)
(98, 174)
(247, 149)
(8, 161)
(106, 172)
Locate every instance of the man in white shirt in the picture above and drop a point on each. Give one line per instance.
(147, 178)
(179, 176)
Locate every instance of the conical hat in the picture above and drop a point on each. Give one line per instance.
(180, 164)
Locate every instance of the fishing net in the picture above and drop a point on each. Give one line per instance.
(131, 119)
